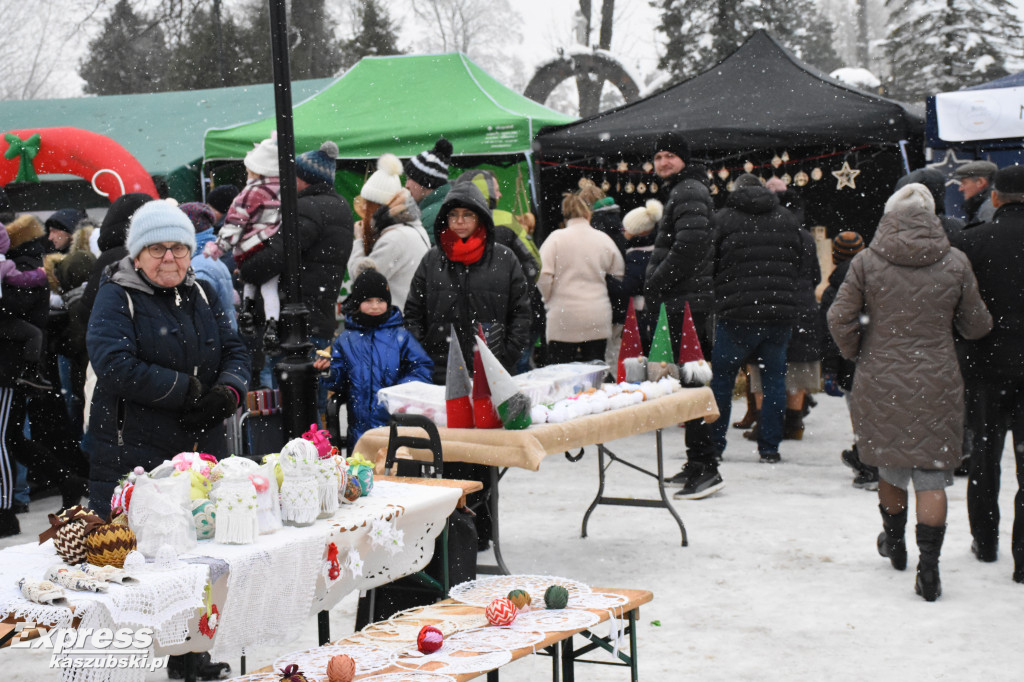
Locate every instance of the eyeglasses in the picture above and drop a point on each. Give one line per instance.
(462, 217)
(178, 250)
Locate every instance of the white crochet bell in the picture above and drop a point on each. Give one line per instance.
(300, 494)
(327, 487)
(237, 522)
(161, 514)
(268, 498)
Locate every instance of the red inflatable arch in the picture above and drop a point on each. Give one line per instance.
(73, 151)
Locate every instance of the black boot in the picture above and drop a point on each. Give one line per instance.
(929, 543)
(793, 425)
(9, 523)
(247, 317)
(271, 341)
(32, 379)
(205, 668)
(892, 541)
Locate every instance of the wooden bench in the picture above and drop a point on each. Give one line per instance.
(561, 645)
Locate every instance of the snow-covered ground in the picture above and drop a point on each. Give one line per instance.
(781, 580)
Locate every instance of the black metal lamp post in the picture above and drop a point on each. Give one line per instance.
(295, 375)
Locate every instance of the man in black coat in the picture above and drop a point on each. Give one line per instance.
(325, 231)
(976, 185)
(994, 368)
(757, 261)
(679, 272)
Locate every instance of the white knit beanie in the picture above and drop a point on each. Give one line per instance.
(912, 196)
(642, 219)
(156, 222)
(262, 160)
(385, 181)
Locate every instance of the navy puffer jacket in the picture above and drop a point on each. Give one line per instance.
(366, 359)
(143, 357)
(758, 257)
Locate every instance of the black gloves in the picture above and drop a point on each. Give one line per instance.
(212, 408)
(195, 392)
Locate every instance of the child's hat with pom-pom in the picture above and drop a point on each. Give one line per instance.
(262, 159)
(642, 219)
(317, 166)
(385, 181)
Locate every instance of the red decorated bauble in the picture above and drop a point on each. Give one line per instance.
(429, 640)
(501, 612)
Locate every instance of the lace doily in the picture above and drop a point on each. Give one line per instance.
(555, 620)
(482, 592)
(257, 677)
(497, 638)
(403, 627)
(408, 677)
(450, 660)
(603, 601)
(313, 662)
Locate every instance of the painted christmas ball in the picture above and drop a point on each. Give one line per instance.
(521, 598)
(429, 640)
(556, 597)
(353, 489)
(341, 668)
(204, 516)
(501, 612)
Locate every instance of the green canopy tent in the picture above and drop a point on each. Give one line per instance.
(402, 105)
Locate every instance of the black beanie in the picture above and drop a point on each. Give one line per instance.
(221, 196)
(430, 169)
(370, 284)
(671, 141)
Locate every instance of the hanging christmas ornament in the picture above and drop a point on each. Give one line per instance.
(730, 186)
(787, 178)
(711, 175)
(641, 188)
(629, 187)
(648, 166)
(817, 174)
(622, 167)
(776, 161)
(723, 173)
(801, 179)
(714, 190)
(748, 166)
(846, 176)
(654, 187)
(785, 157)
(605, 185)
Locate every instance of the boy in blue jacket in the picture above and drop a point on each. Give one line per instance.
(373, 352)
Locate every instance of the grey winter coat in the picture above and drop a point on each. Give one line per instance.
(894, 315)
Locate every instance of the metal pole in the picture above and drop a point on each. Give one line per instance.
(295, 376)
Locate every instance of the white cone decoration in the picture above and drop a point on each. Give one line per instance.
(512, 405)
(237, 522)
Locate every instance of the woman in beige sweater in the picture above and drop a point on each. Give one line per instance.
(575, 262)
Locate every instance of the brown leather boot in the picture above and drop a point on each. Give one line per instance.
(793, 425)
(752, 415)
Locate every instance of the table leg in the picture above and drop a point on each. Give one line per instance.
(323, 624)
(634, 671)
(492, 504)
(600, 489)
(556, 660)
(241, 665)
(661, 488)
(568, 660)
(492, 675)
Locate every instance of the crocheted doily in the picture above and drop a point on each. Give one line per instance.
(496, 638)
(555, 620)
(604, 601)
(452, 660)
(408, 677)
(483, 591)
(402, 628)
(313, 662)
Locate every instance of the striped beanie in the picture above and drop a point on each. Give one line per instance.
(845, 246)
(430, 169)
(318, 166)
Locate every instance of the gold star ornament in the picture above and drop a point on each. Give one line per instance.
(846, 176)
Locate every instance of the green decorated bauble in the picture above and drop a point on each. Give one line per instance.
(556, 597)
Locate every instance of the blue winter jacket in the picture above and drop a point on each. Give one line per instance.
(216, 273)
(143, 357)
(367, 359)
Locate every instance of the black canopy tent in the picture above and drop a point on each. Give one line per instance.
(757, 104)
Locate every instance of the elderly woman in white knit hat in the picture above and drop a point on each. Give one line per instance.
(169, 367)
(390, 237)
(894, 315)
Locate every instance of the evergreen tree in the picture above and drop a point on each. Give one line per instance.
(314, 49)
(377, 36)
(199, 59)
(701, 33)
(938, 47)
(128, 56)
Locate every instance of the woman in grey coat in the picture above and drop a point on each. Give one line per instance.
(894, 315)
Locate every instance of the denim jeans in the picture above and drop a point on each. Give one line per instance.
(735, 342)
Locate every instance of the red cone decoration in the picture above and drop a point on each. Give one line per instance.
(631, 346)
(689, 347)
(484, 414)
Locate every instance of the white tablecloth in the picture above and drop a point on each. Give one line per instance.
(267, 587)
